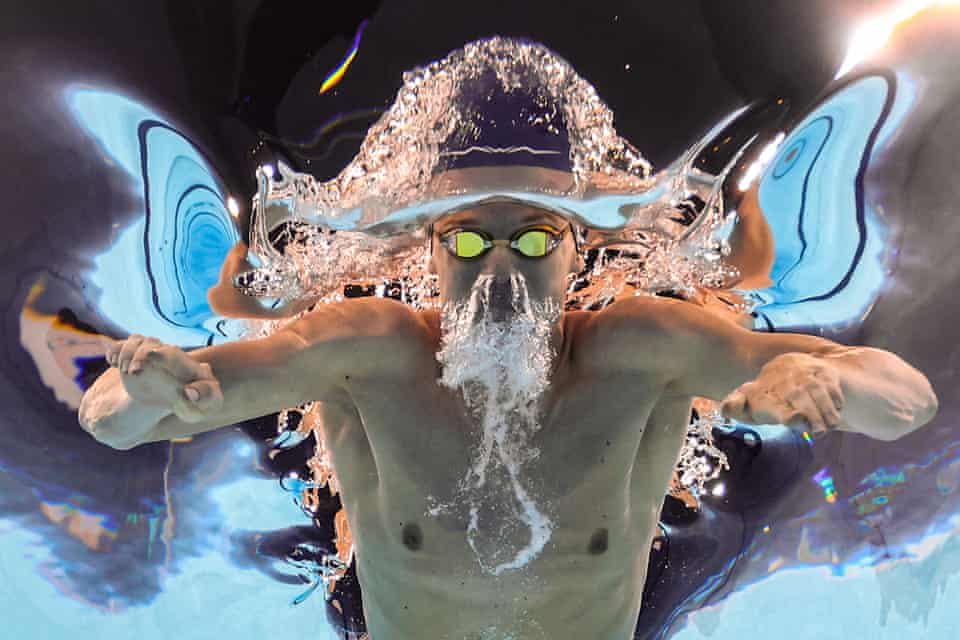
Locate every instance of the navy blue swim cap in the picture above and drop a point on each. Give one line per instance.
(501, 128)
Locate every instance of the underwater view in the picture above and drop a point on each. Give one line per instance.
(411, 320)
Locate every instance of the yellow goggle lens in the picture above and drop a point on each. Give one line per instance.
(533, 243)
(469, 244)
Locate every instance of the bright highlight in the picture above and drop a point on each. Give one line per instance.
(872, 36)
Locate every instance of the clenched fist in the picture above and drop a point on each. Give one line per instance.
(155, 373)
(794, 389)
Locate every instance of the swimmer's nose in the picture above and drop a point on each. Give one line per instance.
(499, 263)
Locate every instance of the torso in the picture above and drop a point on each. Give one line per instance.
(399, 446)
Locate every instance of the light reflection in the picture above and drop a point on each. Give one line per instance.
(154, 276)
(871, 36)
(830, 244)
(763, 160)
(333, 79)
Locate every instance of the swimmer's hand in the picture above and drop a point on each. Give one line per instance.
(794, 389)
(154, 373)
(225, 300)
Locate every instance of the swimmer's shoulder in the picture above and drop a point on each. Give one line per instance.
(630, 333)
(367, 316)
(645, 315)
(371, 322)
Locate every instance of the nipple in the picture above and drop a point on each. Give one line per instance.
(412, 537)
(598, 542)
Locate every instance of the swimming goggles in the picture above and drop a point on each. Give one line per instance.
(531, 242)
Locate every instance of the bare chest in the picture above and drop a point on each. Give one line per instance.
(433, 466)
(528, 515)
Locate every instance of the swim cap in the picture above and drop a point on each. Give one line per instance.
(498, 118)
(506, 128)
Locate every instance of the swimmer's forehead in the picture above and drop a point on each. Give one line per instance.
(504, 213)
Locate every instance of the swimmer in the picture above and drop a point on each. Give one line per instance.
(503, 462)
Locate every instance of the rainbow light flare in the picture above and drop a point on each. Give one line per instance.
(337, 74)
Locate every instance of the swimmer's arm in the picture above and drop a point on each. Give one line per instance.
(308, 360)
(883, 396)
(250, 374)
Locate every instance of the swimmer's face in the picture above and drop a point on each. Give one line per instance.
(546, 277)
